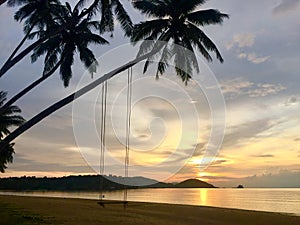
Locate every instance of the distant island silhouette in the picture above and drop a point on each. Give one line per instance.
(92, 183)
(194, 183)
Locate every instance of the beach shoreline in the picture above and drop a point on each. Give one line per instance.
(71, 211)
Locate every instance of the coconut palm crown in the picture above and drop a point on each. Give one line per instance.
(111, 11)
(62, 47)
(9, 117)
(36, 13)
(175, 29)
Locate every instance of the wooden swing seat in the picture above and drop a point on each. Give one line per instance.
(111, 202)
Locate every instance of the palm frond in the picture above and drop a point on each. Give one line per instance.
(207, 17)
(205, 40)
(13, 3)
(186, 43)
(2, 97)
(9, 116)
(51, 60)
(88, 38)
(163, 62)
(6, 156)
(80, 4)
(123, 18)
(188, 6)
(11, 110)
(24, 12)
(156, 47)
(149, 28)
(151, 8)
(67, 62)
(9, 121)
(88, 58)
(36, 34)
(42, 49)
(183, 67)
(107, 21)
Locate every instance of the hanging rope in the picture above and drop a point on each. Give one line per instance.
(128, 126)
(102, 137)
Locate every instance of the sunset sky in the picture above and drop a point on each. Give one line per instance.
(171, 122)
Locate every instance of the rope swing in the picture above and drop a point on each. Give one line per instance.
(102, 202)
(102, 137)
(128, 127)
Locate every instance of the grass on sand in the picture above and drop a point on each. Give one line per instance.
(37, 211)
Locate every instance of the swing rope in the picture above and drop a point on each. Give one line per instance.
(128, 127)
(102, 137)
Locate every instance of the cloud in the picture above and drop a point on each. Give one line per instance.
(286, 6)
(235, 86)
(252, 57)
(238, 86)
(237, 135)
(297, 139)
(293, 100)
(282, 179)
(264, 156)
(263, 90)
(242, 40)
(219, 162)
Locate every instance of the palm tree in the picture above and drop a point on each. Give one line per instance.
(6, 156)
(110, 7)
(165, 31)
(14, 60)
(35, 13)
(60, 49)
(107, 8)
(8, 118)
(176, 28)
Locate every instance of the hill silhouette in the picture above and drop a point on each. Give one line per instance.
(194, 183)
(91, 183)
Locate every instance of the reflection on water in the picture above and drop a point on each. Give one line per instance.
(203, 196)
(272, 200)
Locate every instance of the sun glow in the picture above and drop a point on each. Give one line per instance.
(204, 176)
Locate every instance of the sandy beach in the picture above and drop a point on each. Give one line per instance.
(36, 210)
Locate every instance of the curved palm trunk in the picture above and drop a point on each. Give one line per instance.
(18, 47)
(7, 66)
(29, 88)
(30, 123)
(2, 1)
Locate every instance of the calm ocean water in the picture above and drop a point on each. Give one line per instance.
(271, 200)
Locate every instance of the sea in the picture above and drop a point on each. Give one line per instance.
(282, 200)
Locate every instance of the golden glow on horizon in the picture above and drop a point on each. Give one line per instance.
(204, 176)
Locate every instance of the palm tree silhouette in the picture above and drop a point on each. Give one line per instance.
(60, 49)
(174, 25)
(8, 118)
(17, 58)
(111, 10)
(36, 14)
(176, 28)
